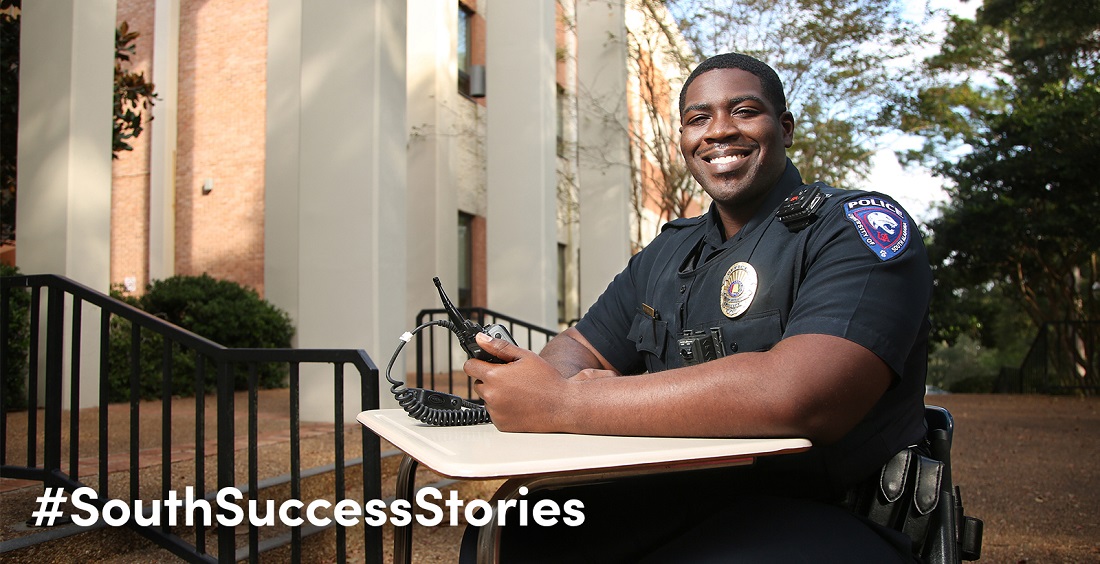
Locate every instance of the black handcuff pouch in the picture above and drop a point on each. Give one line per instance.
(902, 495)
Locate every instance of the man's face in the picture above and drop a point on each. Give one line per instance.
(732, 138)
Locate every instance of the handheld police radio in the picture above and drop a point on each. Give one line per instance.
(466, 330)
(438, 408)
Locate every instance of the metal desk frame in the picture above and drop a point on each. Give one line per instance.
(539, 461)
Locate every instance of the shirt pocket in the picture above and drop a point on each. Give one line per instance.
(649, 335)
(757, 333)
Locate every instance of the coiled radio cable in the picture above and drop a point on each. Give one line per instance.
(438, 409)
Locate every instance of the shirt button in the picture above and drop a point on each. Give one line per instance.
(733, 347)
(683, 289)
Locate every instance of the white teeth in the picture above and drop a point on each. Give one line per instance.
(724, 160)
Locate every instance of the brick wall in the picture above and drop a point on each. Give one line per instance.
(130, 173)
(222, 92)
(221, 131)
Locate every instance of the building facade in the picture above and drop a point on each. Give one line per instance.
(336, 156)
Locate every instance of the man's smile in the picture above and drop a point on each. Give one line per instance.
(723, 160)
(726, 159)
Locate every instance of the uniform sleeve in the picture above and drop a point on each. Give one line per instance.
(608, 323)
(866, 279)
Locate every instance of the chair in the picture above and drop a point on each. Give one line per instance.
(952, 536)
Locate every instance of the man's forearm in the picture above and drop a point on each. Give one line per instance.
(570, 353)
(814, 386)
(788, 391)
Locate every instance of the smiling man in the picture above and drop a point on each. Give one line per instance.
(786, 310)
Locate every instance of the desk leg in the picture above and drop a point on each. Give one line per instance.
(406, 484)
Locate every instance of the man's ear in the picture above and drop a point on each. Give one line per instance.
(786, 121)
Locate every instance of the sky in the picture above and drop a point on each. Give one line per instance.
(915, 189)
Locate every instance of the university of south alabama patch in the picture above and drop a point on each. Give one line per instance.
(881, 224)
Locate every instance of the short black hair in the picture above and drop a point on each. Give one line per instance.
(769, 81)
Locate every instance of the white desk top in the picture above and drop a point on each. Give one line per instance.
(481, 451)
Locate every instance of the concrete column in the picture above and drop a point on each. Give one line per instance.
(282, 160)
(335, 241)
(521, 138)
(64, 208)
(604, 152)
(163, 129)
(432, 176)
(65, 98)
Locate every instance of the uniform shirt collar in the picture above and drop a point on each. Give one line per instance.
(714, 239)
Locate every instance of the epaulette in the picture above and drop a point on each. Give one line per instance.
(682, 222)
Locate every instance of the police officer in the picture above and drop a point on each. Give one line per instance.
(785, 310)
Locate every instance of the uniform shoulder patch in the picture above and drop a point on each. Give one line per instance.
(882, 225)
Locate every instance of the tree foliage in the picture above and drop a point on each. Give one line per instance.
(1012, 123)
(842, 63)
(13, 380)
(9, 114)
(223, 311)
(133, 93)
(661, 181)
(658, 60)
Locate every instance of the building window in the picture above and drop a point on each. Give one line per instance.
(465, 44)
(465, 260)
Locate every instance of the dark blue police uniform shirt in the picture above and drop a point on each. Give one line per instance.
(859, 272)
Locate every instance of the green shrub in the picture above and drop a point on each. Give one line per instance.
(13, 382)
(982, 384)
(219, 310)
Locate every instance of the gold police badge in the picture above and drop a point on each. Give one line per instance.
(738, 289)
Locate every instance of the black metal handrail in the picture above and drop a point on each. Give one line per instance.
(428, 367)
(223, 360)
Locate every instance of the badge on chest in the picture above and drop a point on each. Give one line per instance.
(738, 289)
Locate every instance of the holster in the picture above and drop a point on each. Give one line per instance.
(902, 496)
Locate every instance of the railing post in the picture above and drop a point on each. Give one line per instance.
(341, 490)
(253, 458)
(135, 410)
(419, 352)
(74, 390)
(55, 333)
(295, 459)
(166, 427)
(32, 376)
(200, 442)
(51, 339)
(227, 542)
(104, 381)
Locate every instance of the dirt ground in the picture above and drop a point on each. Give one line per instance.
(1029, 467)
